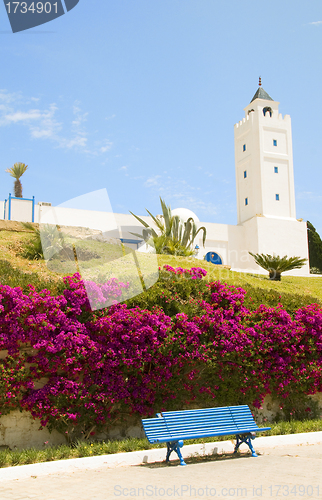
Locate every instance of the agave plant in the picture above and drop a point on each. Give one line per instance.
(277, 265)
(17, 171)
(175, 237)
(44, 243)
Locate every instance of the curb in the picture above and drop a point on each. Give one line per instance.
(150, 456)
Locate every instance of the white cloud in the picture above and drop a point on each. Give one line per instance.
(106, 147)
(20, 116)
(80, 117)
(177, 192)
(76, 142)
(316, 23)
(124, 170)
(152, 181)
(42, 123)
(7, 98)
(308, 195)
(47, 127)
(41, 134)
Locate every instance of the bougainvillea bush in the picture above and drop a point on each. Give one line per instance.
(80, 372)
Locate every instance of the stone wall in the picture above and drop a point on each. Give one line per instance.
(18, 430)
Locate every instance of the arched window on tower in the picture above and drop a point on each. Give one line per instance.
(250, 111)
(267, 110)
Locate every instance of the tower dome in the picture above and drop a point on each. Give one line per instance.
(185, 214)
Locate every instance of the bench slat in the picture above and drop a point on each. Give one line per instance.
(175, 426)
(193, 424)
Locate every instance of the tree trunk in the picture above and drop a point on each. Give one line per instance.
(274, 275)
(18, 189)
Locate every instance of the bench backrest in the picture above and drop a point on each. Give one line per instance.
(189, 424)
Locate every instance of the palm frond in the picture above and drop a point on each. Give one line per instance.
(17, 170)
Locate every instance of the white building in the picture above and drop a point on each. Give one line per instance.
(266, 218)
(265, 191)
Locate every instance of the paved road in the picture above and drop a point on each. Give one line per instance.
(289, 472)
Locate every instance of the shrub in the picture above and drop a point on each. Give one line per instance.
(125, 361)
(32, 249)
(277, 265)
(174, 292)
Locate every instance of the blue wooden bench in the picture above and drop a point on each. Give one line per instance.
(172, 427)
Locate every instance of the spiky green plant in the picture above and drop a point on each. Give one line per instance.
(17, 171)
(175, 237)
(46, 240)
(277, 265)
(32, 249)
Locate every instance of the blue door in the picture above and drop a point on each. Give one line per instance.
(214, 258)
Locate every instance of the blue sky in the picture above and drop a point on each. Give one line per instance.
(141, 97)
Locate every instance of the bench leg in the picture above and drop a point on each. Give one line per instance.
(175, 446)
(247, 439)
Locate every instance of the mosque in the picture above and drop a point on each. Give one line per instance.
(266, 217)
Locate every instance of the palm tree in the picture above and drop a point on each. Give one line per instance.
(17, 171)
(175, 237)
(277, 265)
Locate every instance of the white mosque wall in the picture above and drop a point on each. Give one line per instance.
(101, 221)
(117, 225)
(239, 257)
(284, 237)
(257, 235)
(276, 236)
(224, 239)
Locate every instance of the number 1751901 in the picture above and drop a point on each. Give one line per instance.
(34, 7)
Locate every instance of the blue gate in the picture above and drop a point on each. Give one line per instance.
(214, 258)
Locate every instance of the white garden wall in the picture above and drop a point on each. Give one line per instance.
(18, 430)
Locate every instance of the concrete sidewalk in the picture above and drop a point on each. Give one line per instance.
(288, 466)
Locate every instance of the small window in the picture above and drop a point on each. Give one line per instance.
(275, 170)
(245, 174)
(244, 147)
(274, 142)
(267, 111)
(277, 197)
(246, 201)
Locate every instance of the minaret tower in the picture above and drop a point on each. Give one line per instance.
(264, 161)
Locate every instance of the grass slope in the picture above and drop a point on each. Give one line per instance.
(12, 242)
